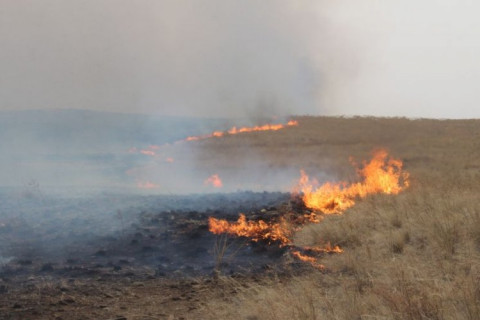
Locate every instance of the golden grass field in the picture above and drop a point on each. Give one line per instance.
(415, 255)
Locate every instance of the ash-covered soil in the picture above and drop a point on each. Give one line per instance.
(116, 235)
(112, 256)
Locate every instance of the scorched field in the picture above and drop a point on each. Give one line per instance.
(382, 221)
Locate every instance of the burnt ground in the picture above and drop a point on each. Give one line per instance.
(106, 254)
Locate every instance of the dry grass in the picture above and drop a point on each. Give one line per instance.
(411, 256)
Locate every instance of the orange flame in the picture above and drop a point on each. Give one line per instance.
(266, 127)
(194, 138)
(255, 230)
(280, 232)
(315, 250)
(235, 130)
(308, 259)
(326, 249)
(381, 175)
(214, 180)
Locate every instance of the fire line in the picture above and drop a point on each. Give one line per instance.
(235, 130)
(382, 174)
(152, 149)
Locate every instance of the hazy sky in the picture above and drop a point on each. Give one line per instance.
(235, 58)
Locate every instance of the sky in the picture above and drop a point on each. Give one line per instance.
(226, 58)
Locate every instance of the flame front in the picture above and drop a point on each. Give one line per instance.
(235, 130)
(381, 175)
(152, 150)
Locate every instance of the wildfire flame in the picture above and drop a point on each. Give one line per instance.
(326, 249)
(308, 259)
(235, 130)
(152, 150)
(255, 230)
(214, 180)
(381, 175)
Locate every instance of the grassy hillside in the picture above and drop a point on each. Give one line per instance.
(411, 256)
(415, 255)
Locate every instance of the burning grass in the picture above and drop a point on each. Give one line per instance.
(235, 130)
(414, 255)
(381, 174)
(400, 261)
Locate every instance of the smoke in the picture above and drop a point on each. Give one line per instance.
(248, 59)
(242, 58)
(215, 58)
(413, 58)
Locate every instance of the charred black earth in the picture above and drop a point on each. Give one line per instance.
(111, 235)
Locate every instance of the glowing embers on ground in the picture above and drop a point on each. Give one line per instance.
(235, 130)
(381, 175)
